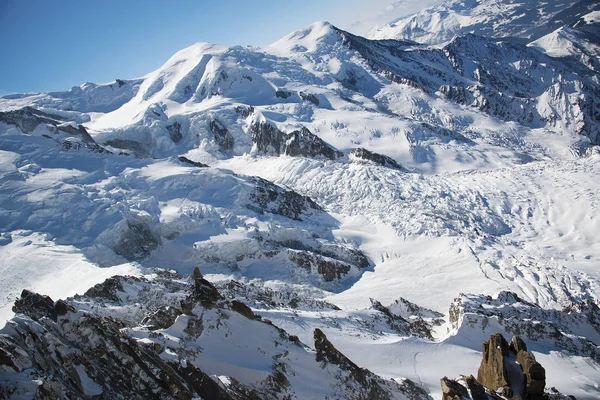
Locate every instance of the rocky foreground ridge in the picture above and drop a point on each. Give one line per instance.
(170, 336)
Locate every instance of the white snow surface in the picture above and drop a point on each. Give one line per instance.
(492, 18)
(502, 205)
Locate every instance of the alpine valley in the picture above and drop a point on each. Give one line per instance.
(413, 214)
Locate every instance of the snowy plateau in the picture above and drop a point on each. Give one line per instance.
(330, 216)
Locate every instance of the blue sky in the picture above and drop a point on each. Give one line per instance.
(49, 45)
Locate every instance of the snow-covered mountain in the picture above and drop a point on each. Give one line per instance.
(519, 20)
(364, 214)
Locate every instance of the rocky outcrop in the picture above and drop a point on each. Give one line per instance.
(221, 135)
(452, 390)
(414, 325)
(361, 154)
(107, 290)
(71, 137)
(175, 132)
(527, 377)
(29, 118)
(137, 242)
(535, 375)
(492, 371)
(190, 162)
(530, 322)
(330, 269)
(301, 143)
(268, 197)
(309, 97)
(141, 338)
(35, 305)
(204, 291)
(138, 149)
(517, 344)
(369, 385)
(465, 387)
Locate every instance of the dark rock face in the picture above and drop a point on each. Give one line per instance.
(535, 374)
(492, 371)
(108, 290)
(517, 344)
(268, 197)
(309, 97)
(244, 112)
(476, 389)
(329, 268)
(464, 388)
(140, 150)
(27, 119)
(328, 354)
(34, 305)
(452, 390)
(137, 242)
(162, 318)
(492, 378)
(380, 159)
(283, 94)
(205, 292)
(532, 323)
(175, 132)
(302, 143)
(415, 327)
(194, 163)
(86, 348)
(222, 136)
(243, 309)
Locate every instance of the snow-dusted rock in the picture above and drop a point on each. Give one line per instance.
(113, 342)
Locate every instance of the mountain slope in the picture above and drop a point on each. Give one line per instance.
(348, 190)
(518, 20)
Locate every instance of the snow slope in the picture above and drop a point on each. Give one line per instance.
(526, 20)
(328, 181)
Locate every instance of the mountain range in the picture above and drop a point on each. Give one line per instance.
(329, 216)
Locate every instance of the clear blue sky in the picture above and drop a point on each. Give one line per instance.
(48, 45)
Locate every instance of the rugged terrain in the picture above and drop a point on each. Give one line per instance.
(364, 213)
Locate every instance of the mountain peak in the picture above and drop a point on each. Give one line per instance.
(308, 38)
